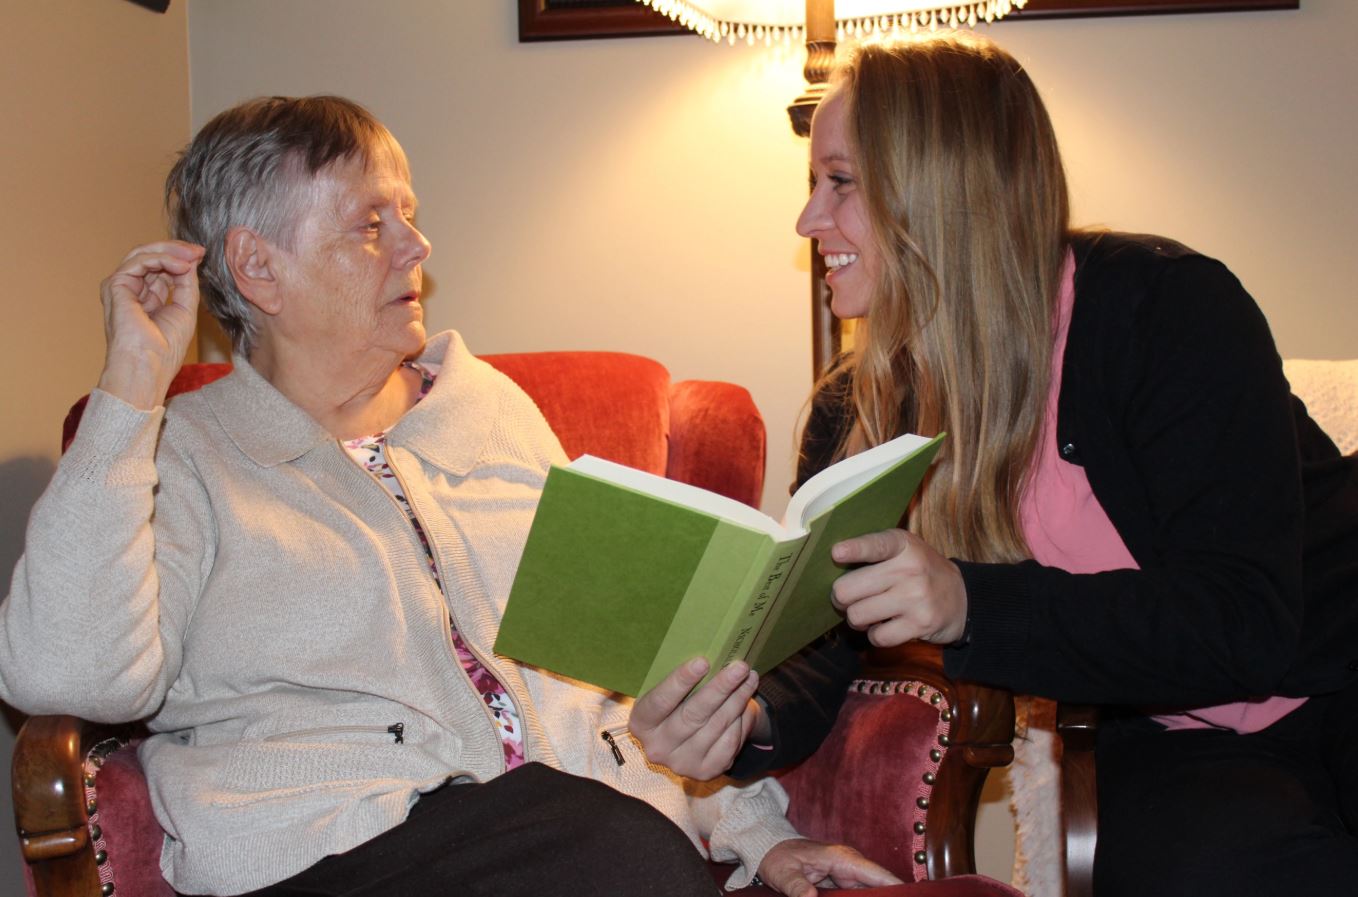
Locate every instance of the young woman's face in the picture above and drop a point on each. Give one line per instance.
(836, 215)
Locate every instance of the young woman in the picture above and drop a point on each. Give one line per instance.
(1130, 509)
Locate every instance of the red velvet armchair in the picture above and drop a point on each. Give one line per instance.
(899, 777)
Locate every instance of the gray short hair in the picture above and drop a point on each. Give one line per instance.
(248, 167)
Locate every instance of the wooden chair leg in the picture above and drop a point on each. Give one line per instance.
(1077, 725)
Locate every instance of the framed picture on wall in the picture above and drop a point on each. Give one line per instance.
(575, 19)
(1053, 9)
(578, 19)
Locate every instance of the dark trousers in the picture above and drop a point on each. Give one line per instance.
(532, 832)
(1207, 812)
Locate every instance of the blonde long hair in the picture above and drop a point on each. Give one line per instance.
(967, 201)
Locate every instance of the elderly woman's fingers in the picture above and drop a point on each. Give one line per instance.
(698, 734)
(654, 707)
(173, 263)
(181, 248)
(150, 306)
(708, 752)
(796, 866)
(721, 700)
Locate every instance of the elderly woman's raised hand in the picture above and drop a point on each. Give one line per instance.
(150, 310)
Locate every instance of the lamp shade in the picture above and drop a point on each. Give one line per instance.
(767, 21)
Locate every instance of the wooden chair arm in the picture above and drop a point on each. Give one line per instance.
(981, 739)
(984, 716)
(48, 781)
(1078, 725)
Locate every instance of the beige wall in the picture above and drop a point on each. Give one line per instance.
(94, 104)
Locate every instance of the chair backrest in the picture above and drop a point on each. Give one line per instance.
(617, 406)
(625, 408)
(900, 775)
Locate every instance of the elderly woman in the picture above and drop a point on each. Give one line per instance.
(295, 573)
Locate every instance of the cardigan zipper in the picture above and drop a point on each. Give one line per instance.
(396, 730)
(451, 615)
(611, 736)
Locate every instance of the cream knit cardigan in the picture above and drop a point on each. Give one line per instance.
(239, 581)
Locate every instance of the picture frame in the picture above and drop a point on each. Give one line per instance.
(1061, 9)
(542, 20)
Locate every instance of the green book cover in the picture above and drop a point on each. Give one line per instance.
(625, 575)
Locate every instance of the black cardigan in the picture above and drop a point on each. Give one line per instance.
(1240, 512)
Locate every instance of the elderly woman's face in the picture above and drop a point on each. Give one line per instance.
(352, 280)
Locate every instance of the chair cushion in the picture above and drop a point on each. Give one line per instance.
(837, 793)
(124, 826)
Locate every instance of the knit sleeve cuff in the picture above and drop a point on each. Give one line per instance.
(999, 612)
(115, 445)
(750, 827)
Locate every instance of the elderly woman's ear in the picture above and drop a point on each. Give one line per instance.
(251, 259)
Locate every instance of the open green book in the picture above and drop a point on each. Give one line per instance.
(626, 575)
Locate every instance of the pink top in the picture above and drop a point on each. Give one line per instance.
(1066, 527)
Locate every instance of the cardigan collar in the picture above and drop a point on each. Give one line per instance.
(270, 430)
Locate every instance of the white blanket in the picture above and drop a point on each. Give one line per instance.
(1330, 391)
